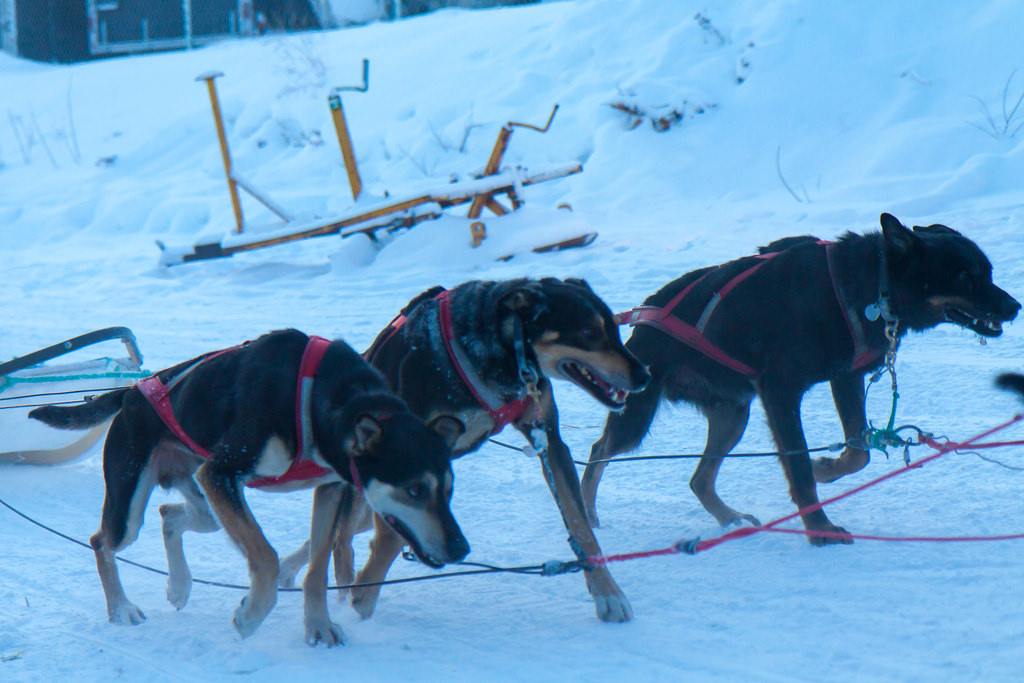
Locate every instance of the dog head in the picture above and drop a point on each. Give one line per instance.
(407, 479)
(574, 337)
(937, 275)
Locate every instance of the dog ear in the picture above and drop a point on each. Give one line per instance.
(899, 240)
(527, 301)
(935, 229)
(579, 282)
(448, 427)
(365, 436)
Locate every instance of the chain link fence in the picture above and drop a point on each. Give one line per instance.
(76, 30)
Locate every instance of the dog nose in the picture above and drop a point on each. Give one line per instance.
(1011, 307)
(458, 548)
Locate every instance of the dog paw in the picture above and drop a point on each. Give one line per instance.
(826, 470)
(248, 618)
(326, 632)
(126, 614)
(287, 572)
(739, 519)
(179, 588)
(613, 608)
(836, 535)
(364, 601)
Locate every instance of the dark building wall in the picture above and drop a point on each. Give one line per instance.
(52, 30)
(214, 17)
(163, 19)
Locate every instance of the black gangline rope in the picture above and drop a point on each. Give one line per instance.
(552, 568)
(766, 454)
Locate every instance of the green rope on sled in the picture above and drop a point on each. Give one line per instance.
(8, 381)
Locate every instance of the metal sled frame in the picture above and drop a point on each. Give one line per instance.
(52, 456)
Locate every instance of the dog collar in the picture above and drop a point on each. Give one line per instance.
(881, 308)
(354, 471)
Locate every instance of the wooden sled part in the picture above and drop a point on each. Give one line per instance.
(571, 243)
(392, 215)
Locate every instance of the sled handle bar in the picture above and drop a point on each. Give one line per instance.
(81, 341)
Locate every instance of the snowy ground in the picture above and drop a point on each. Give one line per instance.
(799, 117)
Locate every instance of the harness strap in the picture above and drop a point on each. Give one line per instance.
(311, 357)
(157, 395)
(863, 354)
(661, 318)
(302, 466)
(502, 412)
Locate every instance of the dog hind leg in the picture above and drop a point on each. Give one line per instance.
(726, 424)
(128, 486)
(623, 432)
(782, 407)
(291, 564)
(192, 515)
(224, 493)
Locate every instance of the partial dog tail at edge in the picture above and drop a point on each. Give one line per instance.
(84, 416)
(1011, 381)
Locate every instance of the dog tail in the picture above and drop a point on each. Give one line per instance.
(90, 414)
(1011, 381)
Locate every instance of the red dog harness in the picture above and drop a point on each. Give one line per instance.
(302, 467)
(662, 318)
(502, 412)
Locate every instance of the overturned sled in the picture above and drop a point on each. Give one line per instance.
(30, 381)
(387, 215)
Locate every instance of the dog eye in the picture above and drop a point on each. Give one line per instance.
(965, 281)
(416, 491)
(590, 333)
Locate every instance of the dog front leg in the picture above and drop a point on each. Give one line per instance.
(623, 431)
(610, 602)
(782, 407)
(354, 516)
(384, 548)
(319, 627)
(224, 494)
(848, 395)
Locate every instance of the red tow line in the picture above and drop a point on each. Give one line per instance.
(693, 546)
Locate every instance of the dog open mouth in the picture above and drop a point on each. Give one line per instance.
(986, 326)
(608, 394)
(403, 531)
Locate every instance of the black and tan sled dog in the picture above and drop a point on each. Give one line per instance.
(285, 411)
(799, 313)
(484, 353)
